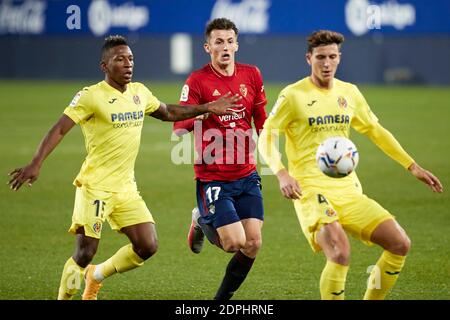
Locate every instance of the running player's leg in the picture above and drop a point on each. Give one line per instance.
(396, 244)
(221, 224)
(320, 224)
(131, 217)
(74, 268)
(370, 222)
(249, 207)
(87, 219)
(232, 239)
(336, 247)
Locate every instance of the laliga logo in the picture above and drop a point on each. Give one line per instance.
(102, 16)
(361, 16)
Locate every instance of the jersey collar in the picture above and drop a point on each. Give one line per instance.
(108, 87)
(219, 75)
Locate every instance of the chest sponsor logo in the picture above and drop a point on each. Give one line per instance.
(238, 114)
(329, 119)
(329, 122)
(126, 116)
(243, 90)
(123, 120)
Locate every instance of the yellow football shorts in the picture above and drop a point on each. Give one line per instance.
(358, 214)
(121, 209)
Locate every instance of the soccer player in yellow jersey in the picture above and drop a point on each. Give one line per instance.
(111, 115)
(307, 112)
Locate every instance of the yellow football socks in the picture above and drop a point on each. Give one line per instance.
(332, 281)
(71, 279)
(384, 275)
(123, 260)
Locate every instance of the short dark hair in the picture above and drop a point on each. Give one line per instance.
(220, 24)
(111, 42)
(323, 38)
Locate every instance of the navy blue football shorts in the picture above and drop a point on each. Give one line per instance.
(225, 202)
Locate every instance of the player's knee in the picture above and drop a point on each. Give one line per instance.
(83, 256)
(253, 245)
(341, 256)
(232, 245)
(401, 247)
(146, 249)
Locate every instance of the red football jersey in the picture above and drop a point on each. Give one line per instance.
(224, 144)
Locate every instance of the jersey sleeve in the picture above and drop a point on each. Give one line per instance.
(259, 118)
(81, 107)
(279, 119)
(260, 93)
(389, 145)
(367, 123)
(281, 115)
(364, 119)
(152, 103)
(259, 102)
(190, 95)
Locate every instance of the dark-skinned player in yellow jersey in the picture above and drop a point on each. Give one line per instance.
(111, 115)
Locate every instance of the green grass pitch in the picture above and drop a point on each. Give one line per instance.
(35, 243)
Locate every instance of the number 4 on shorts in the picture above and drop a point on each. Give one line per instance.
(321, 199)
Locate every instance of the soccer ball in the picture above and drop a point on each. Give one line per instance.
(337, 157)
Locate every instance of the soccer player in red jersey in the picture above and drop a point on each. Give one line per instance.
(230, 207)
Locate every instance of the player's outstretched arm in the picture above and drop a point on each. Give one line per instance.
(427, 177)
(30, 172)
(289, 187)
(223, 106)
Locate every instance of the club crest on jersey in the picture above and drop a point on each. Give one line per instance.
(342, 103)
(330, 212)
(216, 93)
(97, 227)
(212, 208)
(136, 99)
(243, 90)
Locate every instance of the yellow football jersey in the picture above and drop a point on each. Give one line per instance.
(308, 115)
(111, 123)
